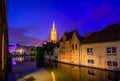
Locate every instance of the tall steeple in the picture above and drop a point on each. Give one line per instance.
(53, 36)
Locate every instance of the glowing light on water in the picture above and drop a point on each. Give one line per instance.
(13, 61)
(53, 75)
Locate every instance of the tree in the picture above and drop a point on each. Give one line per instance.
(49, 48)
(39, 56)
(32, 51)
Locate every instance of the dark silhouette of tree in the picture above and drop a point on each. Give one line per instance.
(49, 48)
(39, 57)
(32, 50)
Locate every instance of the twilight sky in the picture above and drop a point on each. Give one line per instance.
(30, 21)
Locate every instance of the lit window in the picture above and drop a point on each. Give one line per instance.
(111, 50)
(89, 50)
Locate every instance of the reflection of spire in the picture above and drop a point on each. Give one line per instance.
(53, 75)
(53, 36)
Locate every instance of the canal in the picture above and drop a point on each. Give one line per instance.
(26, 70)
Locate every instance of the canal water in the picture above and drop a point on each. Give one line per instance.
(26, 70)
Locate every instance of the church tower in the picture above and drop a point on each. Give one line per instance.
(53, 35)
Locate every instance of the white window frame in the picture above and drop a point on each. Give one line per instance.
(112, 63)
(111, 51)
(91, 61)
(89, 52)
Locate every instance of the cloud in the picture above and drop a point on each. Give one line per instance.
(17, 36)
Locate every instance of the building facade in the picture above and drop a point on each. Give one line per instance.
(104, 55)
(69, 47)
(102, 49)
(20, 50)
(99, 49)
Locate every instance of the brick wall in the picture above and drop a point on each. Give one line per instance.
(100, 55)
(70, 55)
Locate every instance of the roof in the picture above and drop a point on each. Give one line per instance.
(70, 34)
(110, 33)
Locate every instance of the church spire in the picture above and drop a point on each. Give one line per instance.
(53, 25)
(53, 37)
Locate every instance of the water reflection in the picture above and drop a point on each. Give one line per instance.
(21, 59)
(65, 72)
(53, 75)
(18, 59)
(14, 61)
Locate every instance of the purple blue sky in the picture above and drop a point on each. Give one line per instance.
(30, 21)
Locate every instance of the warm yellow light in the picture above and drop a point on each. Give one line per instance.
(20, 50)
(53, 36)
(53, 75)
(3, 52)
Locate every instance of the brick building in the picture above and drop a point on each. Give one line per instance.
(100, 49)
(69, 47)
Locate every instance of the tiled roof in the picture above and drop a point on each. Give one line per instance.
(110, 33)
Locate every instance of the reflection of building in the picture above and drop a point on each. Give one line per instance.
(99, 49)
(53, 35)
(66, 72)
(69, 47)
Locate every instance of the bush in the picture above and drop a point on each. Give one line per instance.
(32, 58)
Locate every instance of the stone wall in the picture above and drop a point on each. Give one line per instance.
(100, 55)
(81, 57)
(70, 55)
